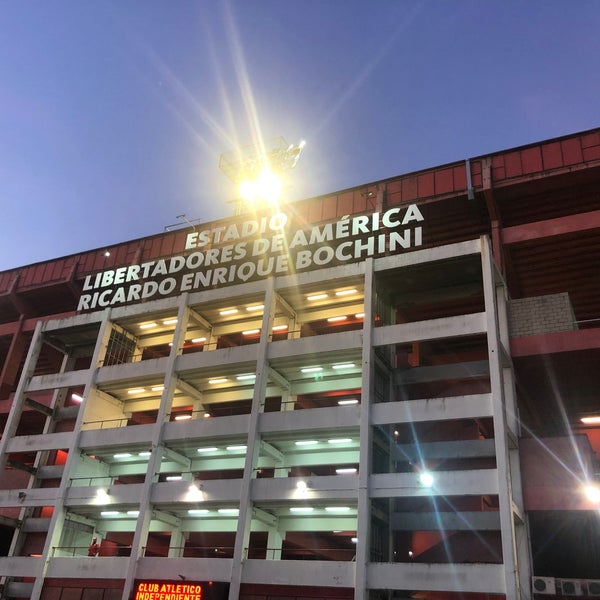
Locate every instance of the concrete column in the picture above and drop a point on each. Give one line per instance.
(176, 543)
(517, 568)
(364, 500)
(58, 516)
(142, 528)
(253, 444)
(274, 544)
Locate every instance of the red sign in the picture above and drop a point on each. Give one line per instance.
(153, 590)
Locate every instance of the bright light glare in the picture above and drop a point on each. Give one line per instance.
(595, 420)
(592, 492)
(267, 186)
(426, 479)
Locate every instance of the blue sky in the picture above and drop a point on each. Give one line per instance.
(113, 113)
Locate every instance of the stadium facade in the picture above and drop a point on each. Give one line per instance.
(377, 393)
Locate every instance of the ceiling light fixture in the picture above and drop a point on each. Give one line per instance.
(255, 307)
(311, 369)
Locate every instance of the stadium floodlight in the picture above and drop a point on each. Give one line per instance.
(258, 170)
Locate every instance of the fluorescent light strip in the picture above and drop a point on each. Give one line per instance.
(229, 311)
(229, 511)
(347, 402)
(344, 471)
(251, 332)
(301, 509)
(76, 398)
(343, 366)
(316, 297)
(144, 454)
(337, 319)
(183, 417)
(359, 315)
(595, 420)
(198, 340)
(337, 509)
(109, 513)
(346, 292)
(197, 511)
(211, 449)
(254, 308)
(133, 513)
(122, 455)
(147, 325)
(136, 390)
(339, 441)
(173, 477)
(157, 388)
(306, 443)
(217, 380)
(239, 448)
(311, 369)
(248, 377)
(280, 327)
(170, 321)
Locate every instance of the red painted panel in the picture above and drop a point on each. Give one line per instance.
(99, 260)
(571, 150)
(552, 155)
(359, 203)
(459, 176)
(409, 188)
(394, 187)
(498, 170)
(426, 187)
(444, 181)
(512, 164)
(38, 276)
(591, 153)
(57, 270)
(329, 210)
(166, 246)
(531, 159)
(314, 211)
(345, 203)
(590, 139)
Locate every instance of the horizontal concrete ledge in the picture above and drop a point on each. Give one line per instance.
(432, 409)
(19, 566)
(193, 569)
(101, 567)
(476, 578)
(298, 572)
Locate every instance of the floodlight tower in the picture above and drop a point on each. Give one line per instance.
(258, 170)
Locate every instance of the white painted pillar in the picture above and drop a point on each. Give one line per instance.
(515, 552)
(364, 500)
(242, 536)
